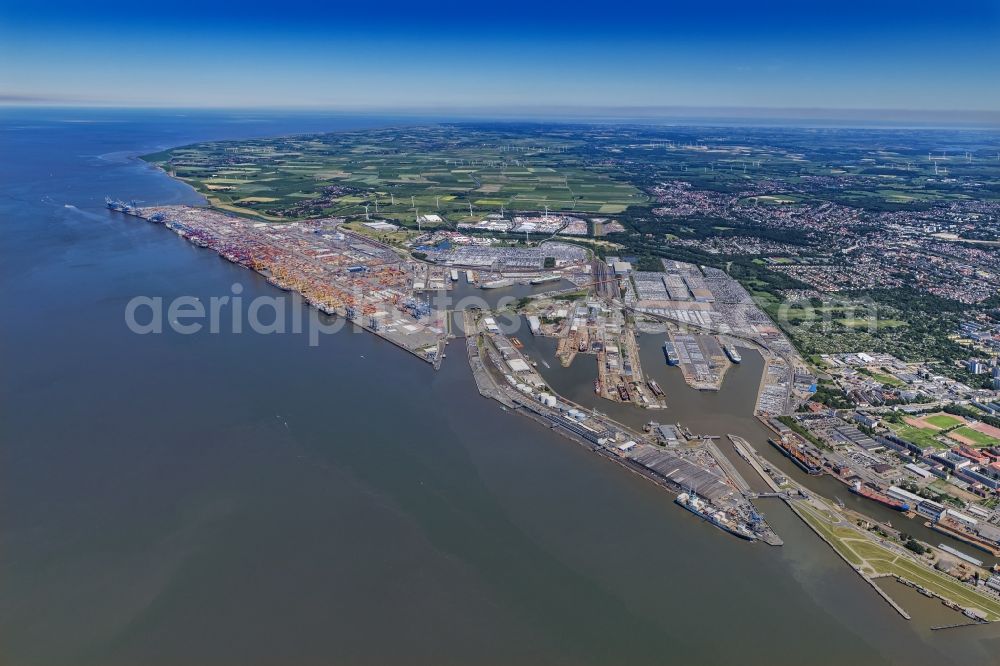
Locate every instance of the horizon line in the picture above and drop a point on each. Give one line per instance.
(987, 117)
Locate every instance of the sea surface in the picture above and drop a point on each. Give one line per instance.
(224, 498)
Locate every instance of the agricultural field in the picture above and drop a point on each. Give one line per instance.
(822, 227)
(460, 173)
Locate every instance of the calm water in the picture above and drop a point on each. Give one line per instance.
(247, 499)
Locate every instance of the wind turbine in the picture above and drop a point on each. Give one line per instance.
(366, 212)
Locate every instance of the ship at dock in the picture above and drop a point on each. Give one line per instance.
(670, 352)
(497, 284)
(545, 279)
(130, 207)
(876, 495)
(807, 462)
(717, 517)
(655, 388)
(733, 355)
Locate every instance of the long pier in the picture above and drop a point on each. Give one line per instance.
(746, 451)
(728, 467)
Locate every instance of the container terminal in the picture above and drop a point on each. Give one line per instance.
(335, 270)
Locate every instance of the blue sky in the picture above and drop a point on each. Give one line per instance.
(876, 54)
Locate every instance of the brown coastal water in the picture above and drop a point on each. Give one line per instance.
(249, 499)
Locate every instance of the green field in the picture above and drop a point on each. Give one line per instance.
(874, 559)
(436, 169)
(888, 380)
(943, 421)
(922, 437)
(980, 438)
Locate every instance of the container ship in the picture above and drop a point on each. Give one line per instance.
(122, 206)
(703, 509)
(733, 355)
(876, 495)
(807, 462)
(671, 353)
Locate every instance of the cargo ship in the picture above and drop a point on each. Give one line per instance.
(703, 509)
(121, 206)
(546, 279)
(497, 284)
(670, 352)
(876, 495)
(807, 462)
(654, 387)
(733, 355)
